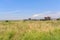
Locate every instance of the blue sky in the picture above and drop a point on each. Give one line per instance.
(19, 9)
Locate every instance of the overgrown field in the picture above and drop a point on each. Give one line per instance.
(30, 30)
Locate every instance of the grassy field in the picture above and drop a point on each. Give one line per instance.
(30, 30)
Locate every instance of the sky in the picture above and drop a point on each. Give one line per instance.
(22, 9)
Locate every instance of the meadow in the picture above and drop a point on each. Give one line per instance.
(30, 30)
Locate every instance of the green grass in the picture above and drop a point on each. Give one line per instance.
(30, 30)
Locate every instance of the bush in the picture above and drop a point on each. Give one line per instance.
(6, 21)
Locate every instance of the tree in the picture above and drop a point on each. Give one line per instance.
(29, 19)
(47, 18)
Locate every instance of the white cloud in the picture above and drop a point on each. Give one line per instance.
(48, 13)
(16, 15)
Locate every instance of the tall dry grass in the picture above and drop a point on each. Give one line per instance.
(30, 30)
